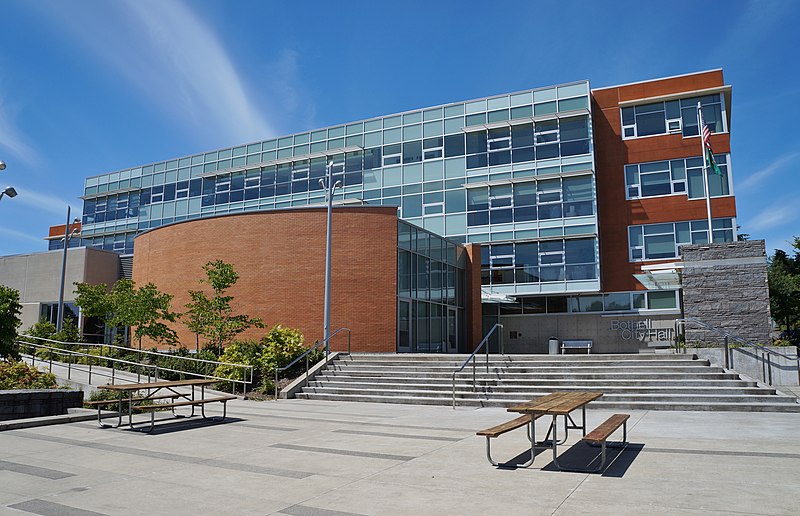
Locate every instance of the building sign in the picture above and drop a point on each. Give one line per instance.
(643, 330)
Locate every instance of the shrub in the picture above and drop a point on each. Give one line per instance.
(19, 375)
(113, 398)
(276, 349)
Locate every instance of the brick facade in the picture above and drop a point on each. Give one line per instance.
(280, 257)
(612, 153)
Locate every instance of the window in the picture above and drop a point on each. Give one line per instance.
(526, 142)
(535, 262)
(718, 184)
(663, 241)
(432, 148)
(678, 176)
(531, 200)
(673, 117)
(392, 154)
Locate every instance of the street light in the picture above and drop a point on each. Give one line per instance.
(69, 232)
(329, 187)
(9, 191)
(2, 165)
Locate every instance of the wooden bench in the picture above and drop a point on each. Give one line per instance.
(603, 432)
(498, 430)
(96, 403)
(186, 403)
(576, 344)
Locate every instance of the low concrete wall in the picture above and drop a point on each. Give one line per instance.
(23, 403)
(764, 367)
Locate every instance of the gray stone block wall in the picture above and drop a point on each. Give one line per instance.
(22, 404)
(725, 285)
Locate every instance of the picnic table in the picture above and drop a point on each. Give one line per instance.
(558, 404)
(161, 390)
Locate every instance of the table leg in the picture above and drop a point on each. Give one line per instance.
(555, 441)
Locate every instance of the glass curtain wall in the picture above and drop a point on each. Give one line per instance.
(430, 292)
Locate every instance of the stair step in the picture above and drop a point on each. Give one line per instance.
(646, 382)
(686, 406)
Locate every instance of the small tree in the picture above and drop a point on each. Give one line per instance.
(144, 309)
(10, 310)
(213, 317)
(152, 309)
(784, 287)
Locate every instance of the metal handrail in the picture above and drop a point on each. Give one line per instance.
(680, 329)
(327, 343)
(472, 357)
(247, 374)
(129, 349)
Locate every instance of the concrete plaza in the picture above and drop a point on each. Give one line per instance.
(334, 458)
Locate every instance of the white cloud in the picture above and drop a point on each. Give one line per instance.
(757, 177)
(20, 235)
(44, 202)
(164, 50)
(12, 139)
(776, 214)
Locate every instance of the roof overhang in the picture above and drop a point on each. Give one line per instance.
(662, 276)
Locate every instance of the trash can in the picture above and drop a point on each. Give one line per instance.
(553, 345)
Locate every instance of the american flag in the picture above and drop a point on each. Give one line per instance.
(705, 132)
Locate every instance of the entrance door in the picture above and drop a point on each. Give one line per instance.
(403, 326)
(452, 330)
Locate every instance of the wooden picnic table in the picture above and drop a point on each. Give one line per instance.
(557, 404)
(162, 390)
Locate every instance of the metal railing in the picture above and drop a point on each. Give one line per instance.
(327, 343)
(138, 366)
(483, 343)
(680, 329)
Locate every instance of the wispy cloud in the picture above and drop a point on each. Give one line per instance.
(43, 202)
(20, 235)
(164, 50)
(758, 176)
(756, 24)
(778, 213)
(12, 139)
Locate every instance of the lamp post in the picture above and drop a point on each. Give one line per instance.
(69, 231)
(9, 191)
(329, 187)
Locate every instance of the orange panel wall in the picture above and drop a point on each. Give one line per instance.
(612, 153)
(280, 257)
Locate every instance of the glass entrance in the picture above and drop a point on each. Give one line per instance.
(452, 330)
(403, 326)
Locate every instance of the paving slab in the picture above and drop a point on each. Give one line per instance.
(312, 458)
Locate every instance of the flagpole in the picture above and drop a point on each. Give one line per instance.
(700, 123)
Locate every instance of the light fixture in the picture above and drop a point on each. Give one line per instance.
(9, 191)
(2, 165)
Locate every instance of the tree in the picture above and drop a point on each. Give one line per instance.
(145, 309)
(784, 287)
(10, 310)
(213, 317)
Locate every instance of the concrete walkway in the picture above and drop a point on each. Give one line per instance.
(334, 458)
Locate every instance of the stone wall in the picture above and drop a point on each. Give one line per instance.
(725, 285)
(23, 403)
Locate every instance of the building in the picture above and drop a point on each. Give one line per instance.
(579, 198)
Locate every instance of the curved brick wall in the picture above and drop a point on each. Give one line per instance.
(280, 257)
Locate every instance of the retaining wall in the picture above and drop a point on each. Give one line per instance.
(24, 403)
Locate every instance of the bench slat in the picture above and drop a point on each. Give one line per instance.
(159, 406)
(607, 428)
(115, 402)
(507, 426)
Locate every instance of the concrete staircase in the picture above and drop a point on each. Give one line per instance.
(633, 382)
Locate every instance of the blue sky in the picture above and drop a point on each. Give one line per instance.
(94, 86)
